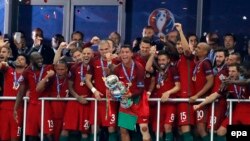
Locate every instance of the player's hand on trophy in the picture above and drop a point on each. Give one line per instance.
(81, 99)
(98, 95)
(178, 26)
(192, 99)
(127, 95)
(196, 107)
(165, 96)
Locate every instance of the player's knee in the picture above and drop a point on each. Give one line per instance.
(144, 129)
(64, 133)
(167, 128)
(123, 131)
(111, 129)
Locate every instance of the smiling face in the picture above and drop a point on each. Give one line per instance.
(163, 61)
(126, 55)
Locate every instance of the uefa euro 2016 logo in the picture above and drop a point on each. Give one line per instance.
(162, 20)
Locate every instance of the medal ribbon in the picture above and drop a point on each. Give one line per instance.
(217, 70)
(103, 71)
(40, 75)
(197, 66)
(160, 75)
(131, 72)
(17, 81)
(58, 85)
(237, 92)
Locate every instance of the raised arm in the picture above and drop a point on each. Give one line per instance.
(59, 52)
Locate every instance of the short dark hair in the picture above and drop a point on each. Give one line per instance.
(190, 35)
(127, 46)
(230, 35)
(78, 32)
(235, 65)
(221, 49)
(59, 38)
(62, 61)
(26, 58)
(148, 27)
(163, 52)
(146, 40)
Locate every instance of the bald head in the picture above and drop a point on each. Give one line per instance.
(202, 49)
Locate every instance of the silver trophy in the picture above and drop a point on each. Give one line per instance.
(117, 90)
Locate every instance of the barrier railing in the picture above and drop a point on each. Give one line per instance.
(158, 100)
(231, 106)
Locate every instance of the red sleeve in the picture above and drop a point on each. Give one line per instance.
(91, 67)
(175, 74)
(207, 67)
(72, 73)
(24, 81)
(140, 72)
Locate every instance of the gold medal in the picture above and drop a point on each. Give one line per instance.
(16, 86)
(194, 78)
(147, 75)
(82, 83)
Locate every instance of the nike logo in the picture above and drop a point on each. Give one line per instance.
(98, 67)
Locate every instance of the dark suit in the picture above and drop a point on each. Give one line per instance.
(46, 52)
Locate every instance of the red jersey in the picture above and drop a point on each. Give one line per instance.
(98, 70)
(10, 77)
(143, 61)
(78, 73)
(30, 80)
(220, 74)
(169, 78)
(202, 69)
(137, 77)
(185, 67)
(57, 87)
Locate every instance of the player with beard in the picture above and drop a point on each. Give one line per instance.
(168, 84)
(220, 73)
(56, 86)
(203, 81)
(185, 112)
(240, 111)
(77, 113)
(31, 76)
(5, 53)
(106, 110)
(11, 128)
(131, 73)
